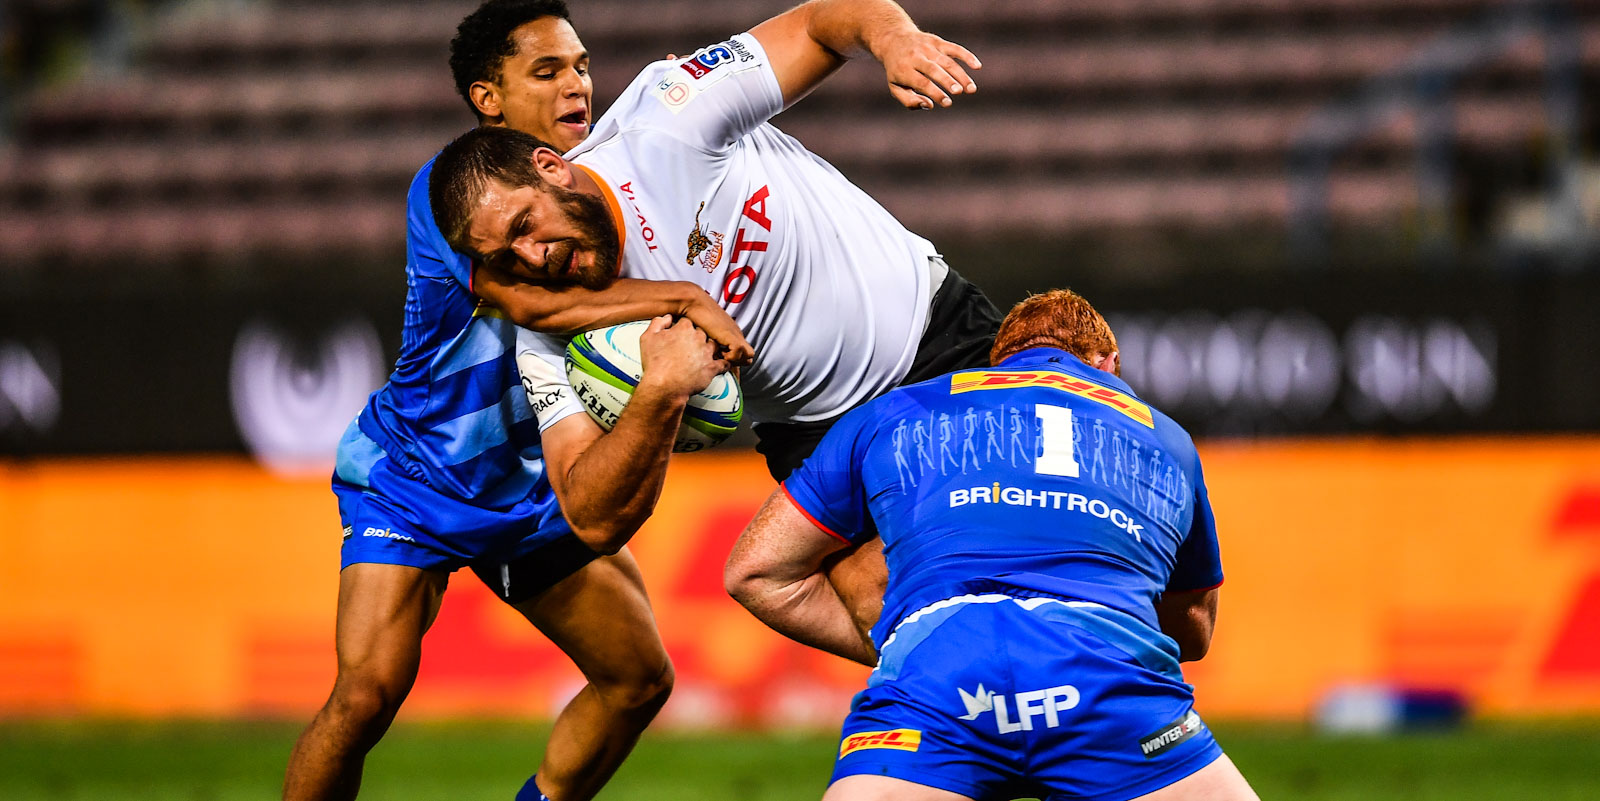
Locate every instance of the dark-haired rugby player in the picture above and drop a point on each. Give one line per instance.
(448, 466)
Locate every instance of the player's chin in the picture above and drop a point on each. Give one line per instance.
(597, 275)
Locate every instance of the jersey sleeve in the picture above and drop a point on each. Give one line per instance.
(717, 95)
(427, 253)
(1199, 562)
(541, 360)
(829, 488)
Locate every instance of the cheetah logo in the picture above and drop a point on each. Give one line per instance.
(708, 248)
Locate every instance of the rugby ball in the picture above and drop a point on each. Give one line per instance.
(603, 367)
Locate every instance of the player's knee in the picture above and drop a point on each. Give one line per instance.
(366, 702)
(644, 688)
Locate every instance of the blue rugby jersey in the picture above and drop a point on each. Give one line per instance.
(454, 413)
(1042, 474)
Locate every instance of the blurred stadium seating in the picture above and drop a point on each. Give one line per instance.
(289, 129)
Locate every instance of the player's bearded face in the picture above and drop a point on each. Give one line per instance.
(595, 243)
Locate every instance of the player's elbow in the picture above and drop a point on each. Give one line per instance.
(1189, 619)
(1193, 634)
(1193, 648)
(741, 579)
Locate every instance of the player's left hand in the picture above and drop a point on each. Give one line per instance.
(925, 71)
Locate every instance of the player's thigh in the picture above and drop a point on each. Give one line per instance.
(600, 617)
(384, 610)
(1218, 781)
(884, 788)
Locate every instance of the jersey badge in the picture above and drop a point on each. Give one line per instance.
(675, 93)
(705, 245)
(708, 60)
(896, 739)
(977, 380)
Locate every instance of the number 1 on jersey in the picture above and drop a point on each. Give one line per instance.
(1056, 457)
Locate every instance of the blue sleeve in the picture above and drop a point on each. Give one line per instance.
(829, 488)
(427, 253)
(1199, 563)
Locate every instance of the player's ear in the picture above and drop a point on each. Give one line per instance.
(485, 98)
(1109, 362)
(553, 168)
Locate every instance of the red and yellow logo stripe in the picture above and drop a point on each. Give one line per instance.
(897, 739)
(976, 380)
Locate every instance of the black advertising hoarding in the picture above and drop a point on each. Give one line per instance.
(280, 372)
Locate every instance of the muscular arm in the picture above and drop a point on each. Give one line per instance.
(807, 43)
(775, 571)
(569, 310)
(608, 483)
(1189, 618)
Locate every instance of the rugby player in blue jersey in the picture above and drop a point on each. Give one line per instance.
(1039, 602)
(450, 466)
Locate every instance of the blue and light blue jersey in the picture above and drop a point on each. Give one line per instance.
(1041, 474)
(453, 414)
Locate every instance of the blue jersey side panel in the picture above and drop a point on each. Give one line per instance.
(1042, 474)
(453, 414)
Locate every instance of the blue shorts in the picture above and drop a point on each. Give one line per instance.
(397, 520)
(999, 697)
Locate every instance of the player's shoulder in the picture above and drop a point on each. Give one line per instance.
(888, 409)
(429, 255)
(418, 192)
(631, 111)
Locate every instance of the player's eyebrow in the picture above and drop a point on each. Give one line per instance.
(554, 59)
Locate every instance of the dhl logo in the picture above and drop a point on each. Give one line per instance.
(898, 739)
(993, 379)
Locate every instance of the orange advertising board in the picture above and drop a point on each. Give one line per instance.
(206, 586)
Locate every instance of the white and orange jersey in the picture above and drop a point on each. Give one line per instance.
(828, 286)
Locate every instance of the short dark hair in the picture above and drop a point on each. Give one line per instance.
(483, 40)
(467, 164)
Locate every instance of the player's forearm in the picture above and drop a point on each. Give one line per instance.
(855, 27)
(615, 483)
(808, 611)
(571, 309)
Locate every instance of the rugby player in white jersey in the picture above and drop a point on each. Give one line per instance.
(684, 180)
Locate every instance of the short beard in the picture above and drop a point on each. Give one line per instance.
(593, 217)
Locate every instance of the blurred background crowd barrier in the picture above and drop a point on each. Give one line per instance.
(1351, 244)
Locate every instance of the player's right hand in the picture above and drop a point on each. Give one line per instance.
(678, 358)
(924, 70)
(715, 322)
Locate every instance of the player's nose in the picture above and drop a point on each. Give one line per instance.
(532, 253)
(574, 84)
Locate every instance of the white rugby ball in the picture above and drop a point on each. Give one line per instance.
(603, 367)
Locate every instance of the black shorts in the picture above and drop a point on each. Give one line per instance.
(961, 328)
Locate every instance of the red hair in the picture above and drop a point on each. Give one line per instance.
(1059, 318)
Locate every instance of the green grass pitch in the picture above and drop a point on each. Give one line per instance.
(468, 761)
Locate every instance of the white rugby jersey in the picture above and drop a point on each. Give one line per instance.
(828, 286)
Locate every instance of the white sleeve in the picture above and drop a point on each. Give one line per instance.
(717, 95)
(541, 360)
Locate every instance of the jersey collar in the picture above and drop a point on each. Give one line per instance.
(1057, 359)
(612, 204)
